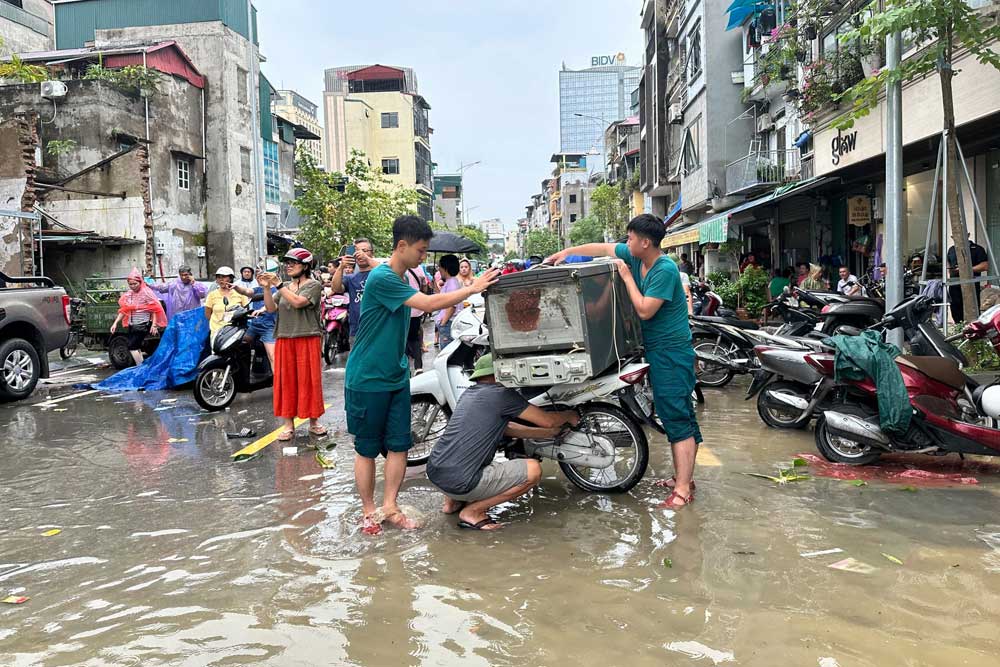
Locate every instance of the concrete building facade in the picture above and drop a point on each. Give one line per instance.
(448, 200)
(377, 110)
(296, 108)
(26, 25)
(111, 199)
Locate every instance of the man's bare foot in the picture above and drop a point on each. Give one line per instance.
(480, 521)
(397, 519)
(451, 506)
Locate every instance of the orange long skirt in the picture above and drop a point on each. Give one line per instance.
(298, 380)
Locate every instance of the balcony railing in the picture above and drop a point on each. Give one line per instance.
(762, 170)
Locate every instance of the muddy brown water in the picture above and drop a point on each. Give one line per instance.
(170, 554)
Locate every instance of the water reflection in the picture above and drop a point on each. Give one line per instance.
(172, 554)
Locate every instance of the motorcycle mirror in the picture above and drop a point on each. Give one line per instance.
(482, 340)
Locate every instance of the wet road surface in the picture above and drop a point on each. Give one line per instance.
(171, 554)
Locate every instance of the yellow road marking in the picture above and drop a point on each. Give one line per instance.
(706, 457)
(255, 447)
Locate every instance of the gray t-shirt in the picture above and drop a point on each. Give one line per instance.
(470, 440)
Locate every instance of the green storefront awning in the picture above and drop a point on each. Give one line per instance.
(715, 230)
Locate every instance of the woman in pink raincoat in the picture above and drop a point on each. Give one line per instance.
(140, 310)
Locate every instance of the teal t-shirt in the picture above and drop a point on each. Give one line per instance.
(670, 326)
(378, 359)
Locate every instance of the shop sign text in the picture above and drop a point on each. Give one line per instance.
(841, 145)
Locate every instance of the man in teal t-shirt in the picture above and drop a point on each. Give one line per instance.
(654, 287)
(377, 388)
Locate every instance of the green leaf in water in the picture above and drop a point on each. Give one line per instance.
(667, 562)
(892, 559)
(859, 482)
(800, 463)
(911, 489)
(776, 480)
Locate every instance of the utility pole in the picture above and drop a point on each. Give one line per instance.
(461, 172)
(892, 254)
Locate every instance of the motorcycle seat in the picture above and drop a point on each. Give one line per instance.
(733, 322)
(942, 369)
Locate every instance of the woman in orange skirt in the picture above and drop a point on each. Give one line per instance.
(298, 383)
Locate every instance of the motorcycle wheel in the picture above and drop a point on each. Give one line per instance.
(118, 352)
(428, 419)
(837, 449)
(330, 347)
(779, 417)
(210, 391)
(69, 349)
(707, 373)
(631, 451)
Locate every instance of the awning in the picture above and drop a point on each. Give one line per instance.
(674, 212)
(801, 187)
(715, 230)
(689, 234)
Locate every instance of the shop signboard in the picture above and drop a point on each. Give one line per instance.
(859, 211)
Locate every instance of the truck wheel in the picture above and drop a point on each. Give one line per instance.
(19, 369)
(118, 352)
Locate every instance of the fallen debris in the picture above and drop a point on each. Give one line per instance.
(852, 565)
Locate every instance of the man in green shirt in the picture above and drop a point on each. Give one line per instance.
(654, 286)
(377, 387)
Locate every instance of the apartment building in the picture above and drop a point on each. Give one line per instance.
(377, 111)
(298, 110)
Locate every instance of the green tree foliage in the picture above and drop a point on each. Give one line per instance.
(942, 28)
(541, 242)
(588, 230)
(133, 78)
(339, 207)
(610, 209)
(16, 69)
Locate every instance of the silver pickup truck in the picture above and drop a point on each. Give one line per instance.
(34, 320)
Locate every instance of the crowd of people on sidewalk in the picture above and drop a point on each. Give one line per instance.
(388, 302)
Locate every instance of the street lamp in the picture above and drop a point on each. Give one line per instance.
(461, 172)
(604, 143)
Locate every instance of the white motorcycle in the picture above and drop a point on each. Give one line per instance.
(608, 450)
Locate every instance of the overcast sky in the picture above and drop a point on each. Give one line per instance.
(488, 69)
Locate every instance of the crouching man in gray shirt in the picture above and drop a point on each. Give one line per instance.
(462, 464)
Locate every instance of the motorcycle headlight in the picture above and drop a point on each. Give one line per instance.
(227, 338)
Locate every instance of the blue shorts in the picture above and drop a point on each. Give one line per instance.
(379, 421)
(671, 375)
(262, 327)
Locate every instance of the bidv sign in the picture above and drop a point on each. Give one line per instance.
(601, 61)
(841, 145)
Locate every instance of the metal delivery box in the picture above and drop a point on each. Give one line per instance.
(563, 324)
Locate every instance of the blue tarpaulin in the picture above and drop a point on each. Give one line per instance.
(175, 361)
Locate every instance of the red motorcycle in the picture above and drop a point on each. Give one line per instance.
(336, 329)
(951, 412)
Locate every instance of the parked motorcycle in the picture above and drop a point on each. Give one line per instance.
(236, 365)
(606, 452)
(790, 391)
(706, 302)
(951, 412)
(336, 329)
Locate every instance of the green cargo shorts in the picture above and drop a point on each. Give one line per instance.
(671, 375)
(379, 421)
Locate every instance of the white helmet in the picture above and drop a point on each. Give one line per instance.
(225, 271)
(990, 400)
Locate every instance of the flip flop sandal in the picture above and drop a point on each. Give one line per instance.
(369, 526)
(320, 432)
(476, 526)
(669, 502)
(286, 436)
(245, 433)
(672, 482)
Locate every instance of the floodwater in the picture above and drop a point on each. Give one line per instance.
(171, 554)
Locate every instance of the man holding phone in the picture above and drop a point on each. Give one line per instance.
(360, 256)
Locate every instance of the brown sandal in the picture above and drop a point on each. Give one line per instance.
(669, 502)
(286, 435)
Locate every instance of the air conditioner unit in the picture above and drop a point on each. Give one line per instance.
(53, 89)
(764, 122)
(675, 114)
